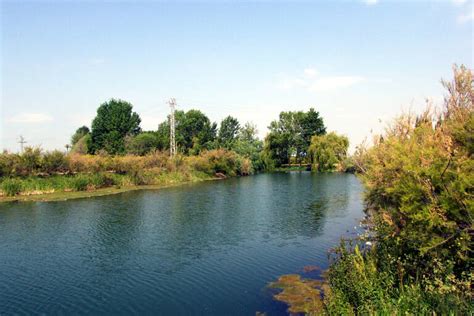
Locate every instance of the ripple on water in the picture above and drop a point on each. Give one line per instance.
(208, 248)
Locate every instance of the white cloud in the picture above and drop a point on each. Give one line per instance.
(371, 2)
(31, 118)
(313, 82)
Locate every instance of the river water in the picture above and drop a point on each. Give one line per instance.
(208, 248)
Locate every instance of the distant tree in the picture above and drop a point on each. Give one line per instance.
(83, 145)
(228, 132)
(249, 146)
(328, 151)
(311, 124)
(290, 136)
(80, 132)
(142, 143)
(113, 122)
(248, 132)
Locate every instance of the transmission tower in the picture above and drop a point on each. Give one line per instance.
(172, 103)
(22, 141)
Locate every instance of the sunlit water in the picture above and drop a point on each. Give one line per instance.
(208, 248)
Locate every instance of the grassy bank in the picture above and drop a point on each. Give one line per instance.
(31, 177)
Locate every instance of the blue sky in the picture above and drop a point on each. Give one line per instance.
(357, 62)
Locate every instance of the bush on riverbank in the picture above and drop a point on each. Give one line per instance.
(419, 179)
(36, 172)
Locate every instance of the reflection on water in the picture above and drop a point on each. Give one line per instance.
(203, 248)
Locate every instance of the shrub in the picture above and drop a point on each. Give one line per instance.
(54, 161)
(11, 187)
(30, 161)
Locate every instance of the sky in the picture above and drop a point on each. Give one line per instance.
(359, 63)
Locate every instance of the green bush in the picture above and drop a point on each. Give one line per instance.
(11, 187)
(54, 161)
(80, 182)
(419, 179)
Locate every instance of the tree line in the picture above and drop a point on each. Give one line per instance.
(297, 137)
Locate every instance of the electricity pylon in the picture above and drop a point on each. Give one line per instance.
(172, 103)
(22, 141)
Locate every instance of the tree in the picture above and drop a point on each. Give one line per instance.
(83, 145)
(141, 144)
(290, 136)
(328, 151)
(80, 132)
(113, 122)
(194, 132)
(228, 132)
(249, 146)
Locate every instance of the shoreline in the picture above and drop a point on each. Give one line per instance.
(73, 195)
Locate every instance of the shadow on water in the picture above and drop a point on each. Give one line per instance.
(204, 248)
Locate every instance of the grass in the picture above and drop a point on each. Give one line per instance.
(62, 187)
(173, 179)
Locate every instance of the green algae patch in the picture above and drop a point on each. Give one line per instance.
(303, 296)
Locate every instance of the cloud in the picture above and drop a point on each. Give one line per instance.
(371, 2)
(313, 82)
(31, 118)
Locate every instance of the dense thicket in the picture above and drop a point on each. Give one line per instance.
(419, 179)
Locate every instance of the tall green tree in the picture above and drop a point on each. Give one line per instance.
(228, 132)
(113, 122)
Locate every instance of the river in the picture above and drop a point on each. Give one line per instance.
(207, 248)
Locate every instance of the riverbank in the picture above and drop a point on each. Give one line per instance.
(76, 176)
(71, 195)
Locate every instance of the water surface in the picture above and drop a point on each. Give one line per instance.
(207, 248)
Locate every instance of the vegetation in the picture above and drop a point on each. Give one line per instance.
(419, 179)
(37, 172)
(113, 122)
(328, 152)
(290, 136)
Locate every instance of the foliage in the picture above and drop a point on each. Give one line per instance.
(249, 146)
(54, 161)
(57, 172)
(114, 121)
(419, 179)
(141, 144)
(194, 132)
(80, 132)
(328, 152)
(83, 145)
(228, 132)
(11, 187)
(291, 136)
(220, 161)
